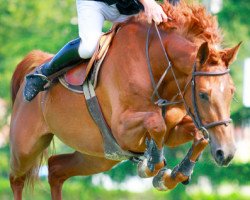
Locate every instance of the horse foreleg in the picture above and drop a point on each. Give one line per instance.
(183, 132)
(167, 179)
(64, 166)
(176, 135)
(154, 160)
(131, 130)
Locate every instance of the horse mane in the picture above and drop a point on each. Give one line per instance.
(191, 21)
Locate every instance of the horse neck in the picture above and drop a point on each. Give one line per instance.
(181, 53)
(127, 68)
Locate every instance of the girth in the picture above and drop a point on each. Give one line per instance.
(112, 149)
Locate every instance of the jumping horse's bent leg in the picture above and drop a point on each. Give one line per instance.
(155, 160)
(177, 134)
(64, 166)
(167, 179)
(181, 133)
(132, 129)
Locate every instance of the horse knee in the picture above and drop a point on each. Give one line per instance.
(156, 127)
(155, 123)
(55, 176)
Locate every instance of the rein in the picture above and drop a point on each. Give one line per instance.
(163, 103)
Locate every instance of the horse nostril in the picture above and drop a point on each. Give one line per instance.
(220, 155)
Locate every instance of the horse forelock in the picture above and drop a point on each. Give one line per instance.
(191, 21)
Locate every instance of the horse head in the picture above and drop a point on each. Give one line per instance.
(211, 98)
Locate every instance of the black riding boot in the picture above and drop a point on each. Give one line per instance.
(67, 56)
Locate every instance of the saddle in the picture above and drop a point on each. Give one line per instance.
(75, 77)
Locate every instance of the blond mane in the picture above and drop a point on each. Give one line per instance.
(192, 21)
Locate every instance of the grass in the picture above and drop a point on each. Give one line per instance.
(78, 188)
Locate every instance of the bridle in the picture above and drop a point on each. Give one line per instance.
(196, 116)
(163, 103)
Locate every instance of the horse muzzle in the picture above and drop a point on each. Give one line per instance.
(223, 158)
(222, 153)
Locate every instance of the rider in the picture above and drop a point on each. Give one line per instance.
(91, 15)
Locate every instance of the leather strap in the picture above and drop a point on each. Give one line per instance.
(111, 148)
(153, 154)
(185, 167)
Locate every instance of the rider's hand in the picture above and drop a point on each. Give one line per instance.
(154, 11)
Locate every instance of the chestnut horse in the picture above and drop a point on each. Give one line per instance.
(124, 92)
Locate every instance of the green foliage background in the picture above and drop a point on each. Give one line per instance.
(233, 20)
(48, 25)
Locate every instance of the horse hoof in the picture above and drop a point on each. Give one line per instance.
(158, 181)
(186, 182)
(142, 167)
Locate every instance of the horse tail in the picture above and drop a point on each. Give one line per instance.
(31, 61)
(33, 174)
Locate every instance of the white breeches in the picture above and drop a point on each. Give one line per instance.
(91, 16)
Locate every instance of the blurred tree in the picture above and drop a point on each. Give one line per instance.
(28, 25)
(235, 24)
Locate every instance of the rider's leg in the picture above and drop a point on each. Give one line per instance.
(35, 82)
(90, 22)
(91, 15)
(90, 29)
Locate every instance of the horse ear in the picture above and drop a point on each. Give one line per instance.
(202, 54)
(229, 55)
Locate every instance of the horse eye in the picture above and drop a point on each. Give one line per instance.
(204, 96)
